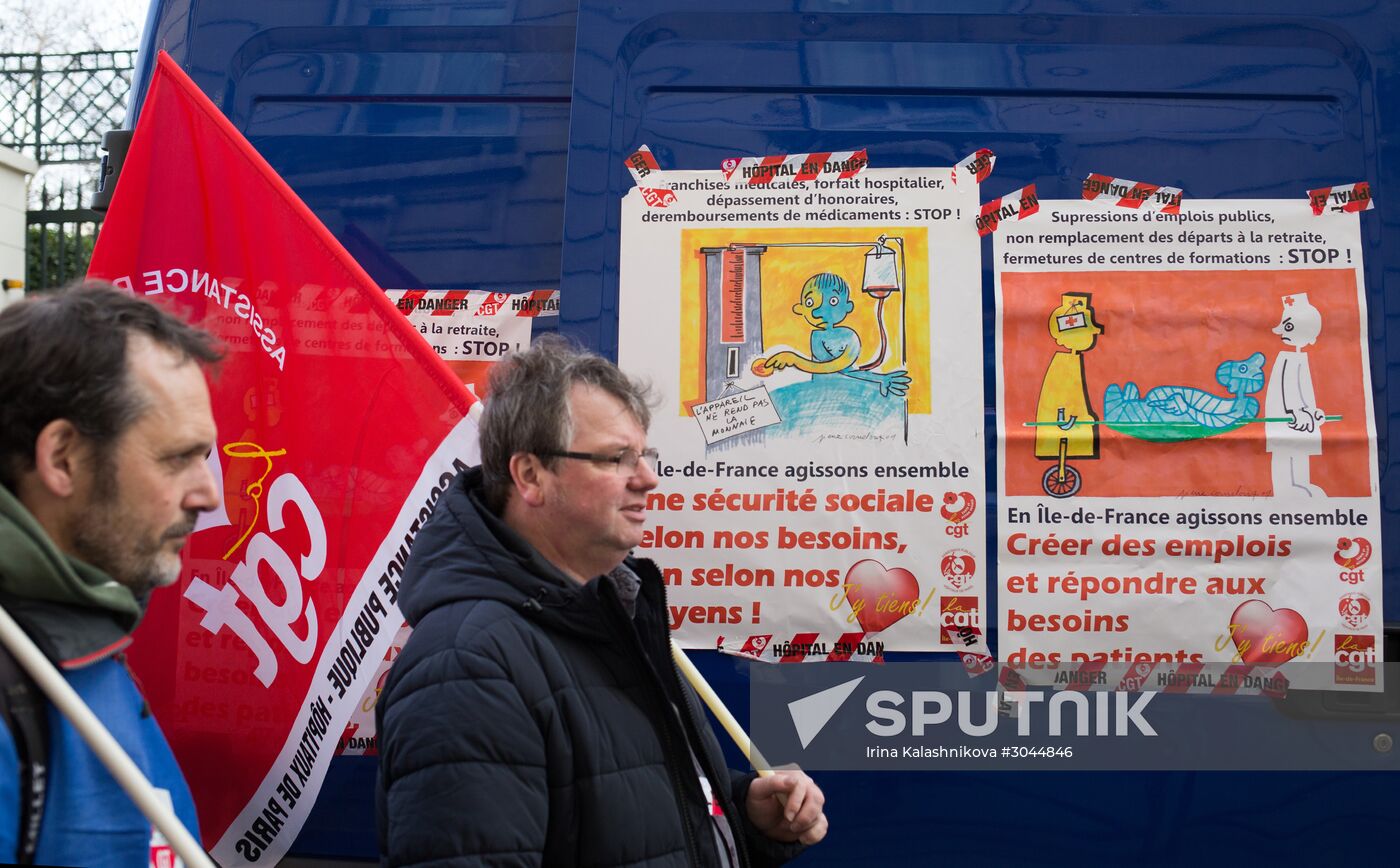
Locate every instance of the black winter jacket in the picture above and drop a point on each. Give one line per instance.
(527, 722)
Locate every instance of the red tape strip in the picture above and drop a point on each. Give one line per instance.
(977, 165)
(852, 647)
(642, 164)
(795, 167)
(1346, 199)
(1132, 194)
(1018, 205)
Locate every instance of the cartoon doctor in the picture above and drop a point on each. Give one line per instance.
(1292, 444)
(1064, 398)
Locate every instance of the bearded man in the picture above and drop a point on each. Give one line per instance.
(105, 425)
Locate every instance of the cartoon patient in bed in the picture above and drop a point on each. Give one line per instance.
(825, 303)
(843, 397)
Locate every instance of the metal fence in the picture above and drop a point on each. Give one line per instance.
(55, 107)
(61, 235)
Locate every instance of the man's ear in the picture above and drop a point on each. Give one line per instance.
(59, 455)
(527, 472)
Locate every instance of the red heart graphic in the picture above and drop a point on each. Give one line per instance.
(1265, 635)
(878, 596)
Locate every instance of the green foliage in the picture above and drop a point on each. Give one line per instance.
(57, 254)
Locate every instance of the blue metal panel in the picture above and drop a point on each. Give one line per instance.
(429, 137)
(1224, 98)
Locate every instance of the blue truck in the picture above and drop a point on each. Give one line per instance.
(481, 143)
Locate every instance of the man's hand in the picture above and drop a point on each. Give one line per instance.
(787, 806)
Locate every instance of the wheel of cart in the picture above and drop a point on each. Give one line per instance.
(1061, 480)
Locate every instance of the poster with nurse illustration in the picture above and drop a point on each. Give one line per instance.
(1187, 467)
(815, 349)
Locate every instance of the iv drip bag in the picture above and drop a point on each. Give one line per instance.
(881, 273)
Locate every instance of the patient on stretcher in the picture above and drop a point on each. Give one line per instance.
(1187, 405)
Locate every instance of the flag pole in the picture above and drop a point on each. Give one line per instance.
(67, 701)
(716, 705)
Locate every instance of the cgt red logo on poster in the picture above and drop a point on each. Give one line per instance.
(957, 508)
(1355, 659)
(1351, 555)
(956, 614)
(958, 567)
(1355, 610)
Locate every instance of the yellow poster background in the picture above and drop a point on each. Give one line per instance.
(785, 270)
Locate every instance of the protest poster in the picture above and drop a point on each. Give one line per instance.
(815, 342)
(472, 329)
(1187, 470)
(338, 429)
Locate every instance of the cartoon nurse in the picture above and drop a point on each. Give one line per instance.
(1292, 444)
(1064, 400)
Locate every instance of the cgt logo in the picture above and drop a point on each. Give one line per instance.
(754, 646)
(955, 615)
(1136, 677)
(958, 567)
(293, 522)
(1351, 555)
(958, 507)
(1356, 659)
(492, 304)
(657, 197)
(1355, 610)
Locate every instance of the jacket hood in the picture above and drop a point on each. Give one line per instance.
(465, 552)
(76, 613)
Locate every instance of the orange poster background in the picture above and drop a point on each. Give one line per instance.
(1175, 327)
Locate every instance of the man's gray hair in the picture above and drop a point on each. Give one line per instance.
(527, 407)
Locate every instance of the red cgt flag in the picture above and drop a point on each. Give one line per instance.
(338, 429)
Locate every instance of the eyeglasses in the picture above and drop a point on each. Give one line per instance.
(625, 460)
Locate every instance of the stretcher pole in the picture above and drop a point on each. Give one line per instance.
(1126, 424)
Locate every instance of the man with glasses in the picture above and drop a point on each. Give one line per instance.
(535, 716)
